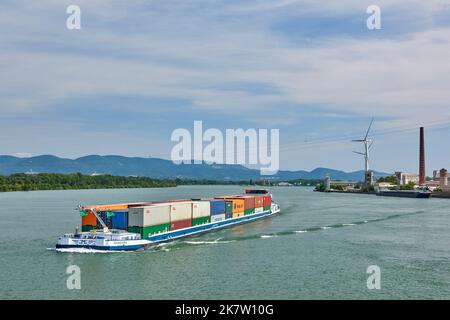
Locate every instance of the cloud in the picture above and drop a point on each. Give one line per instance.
(200, 51)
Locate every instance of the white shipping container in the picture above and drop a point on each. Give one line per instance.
(180, 211)
(259, 210)
(149, 215)
(201, 209)
(217, 217)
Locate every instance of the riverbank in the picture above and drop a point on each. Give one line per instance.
(76, 181)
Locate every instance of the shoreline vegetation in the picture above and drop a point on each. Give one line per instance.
(78, 181)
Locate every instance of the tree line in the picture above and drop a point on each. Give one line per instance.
(56, 181)
(74, 181)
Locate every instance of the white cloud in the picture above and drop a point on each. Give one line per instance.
(190, 53)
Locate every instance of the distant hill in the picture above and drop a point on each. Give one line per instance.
(158, 168)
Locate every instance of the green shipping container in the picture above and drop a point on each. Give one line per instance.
(201, 220)
(87, 228)
(249, 211)
(228, 207)
(146, 232)
(266, 208)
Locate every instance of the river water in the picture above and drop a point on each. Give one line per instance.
(318, 247)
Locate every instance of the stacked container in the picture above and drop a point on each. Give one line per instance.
(267, 202)
(180, 215)
(218, 210)
(120, 220)
(259, 204)
(238, 204)
(249, 204)
(201, 212)
(228, 209)
(88, 222)
(149, 220)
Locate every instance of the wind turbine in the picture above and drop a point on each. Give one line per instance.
(367, 145)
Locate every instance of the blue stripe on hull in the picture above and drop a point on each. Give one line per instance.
(172, 235)
(107, 248)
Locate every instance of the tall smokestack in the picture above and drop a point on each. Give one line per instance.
(422, 178)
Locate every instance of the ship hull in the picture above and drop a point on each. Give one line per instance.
(405, 194)
(207, 227)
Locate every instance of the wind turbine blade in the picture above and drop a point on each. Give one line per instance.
(370, 145)
(358, 140)
(363, 154)
(368, 130)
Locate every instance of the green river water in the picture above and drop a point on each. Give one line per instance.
(318, 247)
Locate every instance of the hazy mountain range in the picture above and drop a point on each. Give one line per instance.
(158, 168)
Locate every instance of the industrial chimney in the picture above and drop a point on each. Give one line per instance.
(422, 177)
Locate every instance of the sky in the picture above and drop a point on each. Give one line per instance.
(138, 70)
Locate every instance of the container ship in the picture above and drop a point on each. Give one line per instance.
(421, 194)
(139, 226)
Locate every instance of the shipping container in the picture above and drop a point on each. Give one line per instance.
(267, 208)
(249, 211)
(180, 211)
(217, 206)
(249, 202)
(87, 228)
(218, 217)
(267, 201)
(238, 205)
(228, 207)
(259, 210)
(180, 224)
(149, 216)
(146, 232)
(200, 209)
(108, 207)
(120, 220)
(238, 214)
(259, 201)
(89, 219)
(228, 215)
(201, 220)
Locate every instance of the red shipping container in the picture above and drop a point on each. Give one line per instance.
(267, 201)
(175, 225)
(249, 202)
(259, 202)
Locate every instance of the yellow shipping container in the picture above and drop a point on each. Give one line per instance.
(238, 214)
(238, 204)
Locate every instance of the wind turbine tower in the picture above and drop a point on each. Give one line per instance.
(367, 145)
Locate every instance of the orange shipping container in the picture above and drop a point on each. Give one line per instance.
(89, 219)
(259, 202)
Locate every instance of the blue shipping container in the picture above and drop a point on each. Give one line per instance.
(120, 220)
(217, 206)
